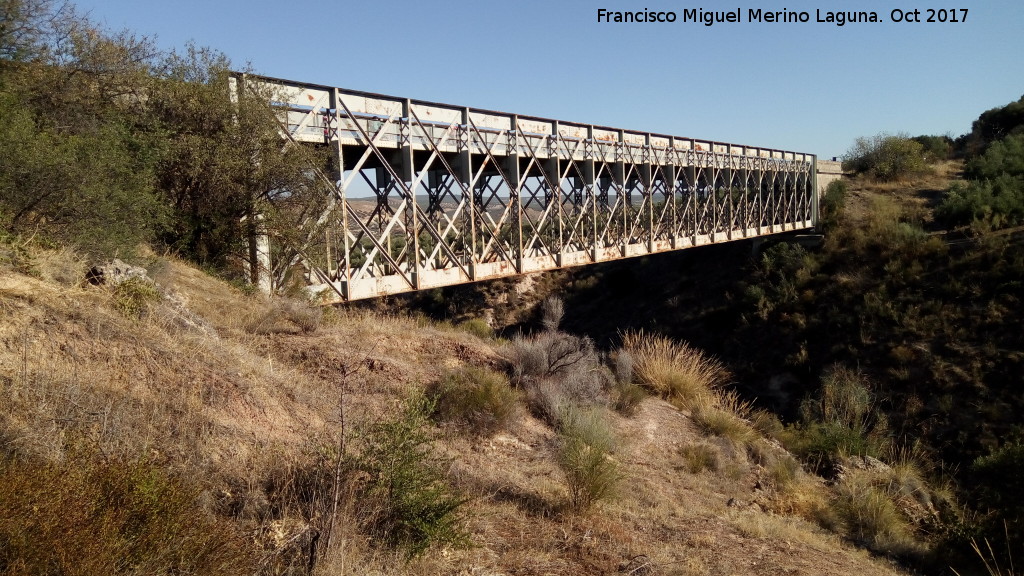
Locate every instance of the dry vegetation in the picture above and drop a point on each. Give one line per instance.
(263, 418)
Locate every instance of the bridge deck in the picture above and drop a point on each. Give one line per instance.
(455, 195)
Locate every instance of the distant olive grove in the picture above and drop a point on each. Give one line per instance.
(107, 142)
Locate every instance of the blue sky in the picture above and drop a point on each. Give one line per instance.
(810, 87)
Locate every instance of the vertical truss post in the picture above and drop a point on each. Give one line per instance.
(515, 183)
(691, 196)
(623, 192)
(338, 175)
(815, 192)
(407, 170)
(464, 165)
(727, 178)
(646, 181)
(589, 181)
(745, 179)
(670, 190)
(553, 167)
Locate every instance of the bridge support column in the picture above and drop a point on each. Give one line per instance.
(259, 254)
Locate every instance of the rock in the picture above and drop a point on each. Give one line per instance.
(116, 272)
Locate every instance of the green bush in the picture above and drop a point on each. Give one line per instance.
(586, 443)
(1004, 156)
(832, 203)
(994, 204)
(477, 398)
(88, 515)
(998, 482)
(477, 327)
(134, 296)
(885, 157)
(935, 148)
(405, 500)
(839, 421)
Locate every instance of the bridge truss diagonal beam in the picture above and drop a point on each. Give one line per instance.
(424, 195)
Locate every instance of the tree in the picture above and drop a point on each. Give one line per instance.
(885, 157)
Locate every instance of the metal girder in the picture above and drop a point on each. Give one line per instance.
(427, 195)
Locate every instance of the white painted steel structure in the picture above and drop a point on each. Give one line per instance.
(458, 194)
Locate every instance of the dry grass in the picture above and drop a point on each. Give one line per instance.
(681, 374)
(256, 420)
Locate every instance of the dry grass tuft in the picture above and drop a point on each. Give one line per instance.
(478, 398)
(678, 372)
(699, 457)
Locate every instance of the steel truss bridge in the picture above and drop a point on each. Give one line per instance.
(426, 195)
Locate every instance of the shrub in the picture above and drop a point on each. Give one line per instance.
(783, 472)
(550, 354)
(627, 395)
(405, 500)
(89, 516)
(839, 421)
(994, 204)
(554, 368)
(699, 457)
(725, 423)
(885, 157)
(679, 373)
(998, 484)
(552, 311)
(287, 315)
(477, 327)
(935, 148)
(868, 514)
(133, 297)
(586, 442)
(478, 398)
(832, 203)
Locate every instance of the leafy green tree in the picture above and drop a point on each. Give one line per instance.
(885, 157)
(996, 124)
(107, 142)
(1005, 156)
(935, 148)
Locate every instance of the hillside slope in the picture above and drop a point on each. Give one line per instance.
(240, 398)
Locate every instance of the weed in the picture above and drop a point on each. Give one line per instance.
(783, 472)
(869, 515)
(627, 397)
(725, 423)
(699, 457)
(287, 315)
(476, 397)
(92, 516)
(405, 499)
(586, 442)
(134, 296)
(679, 373)
(477, 327)
(552, 311)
